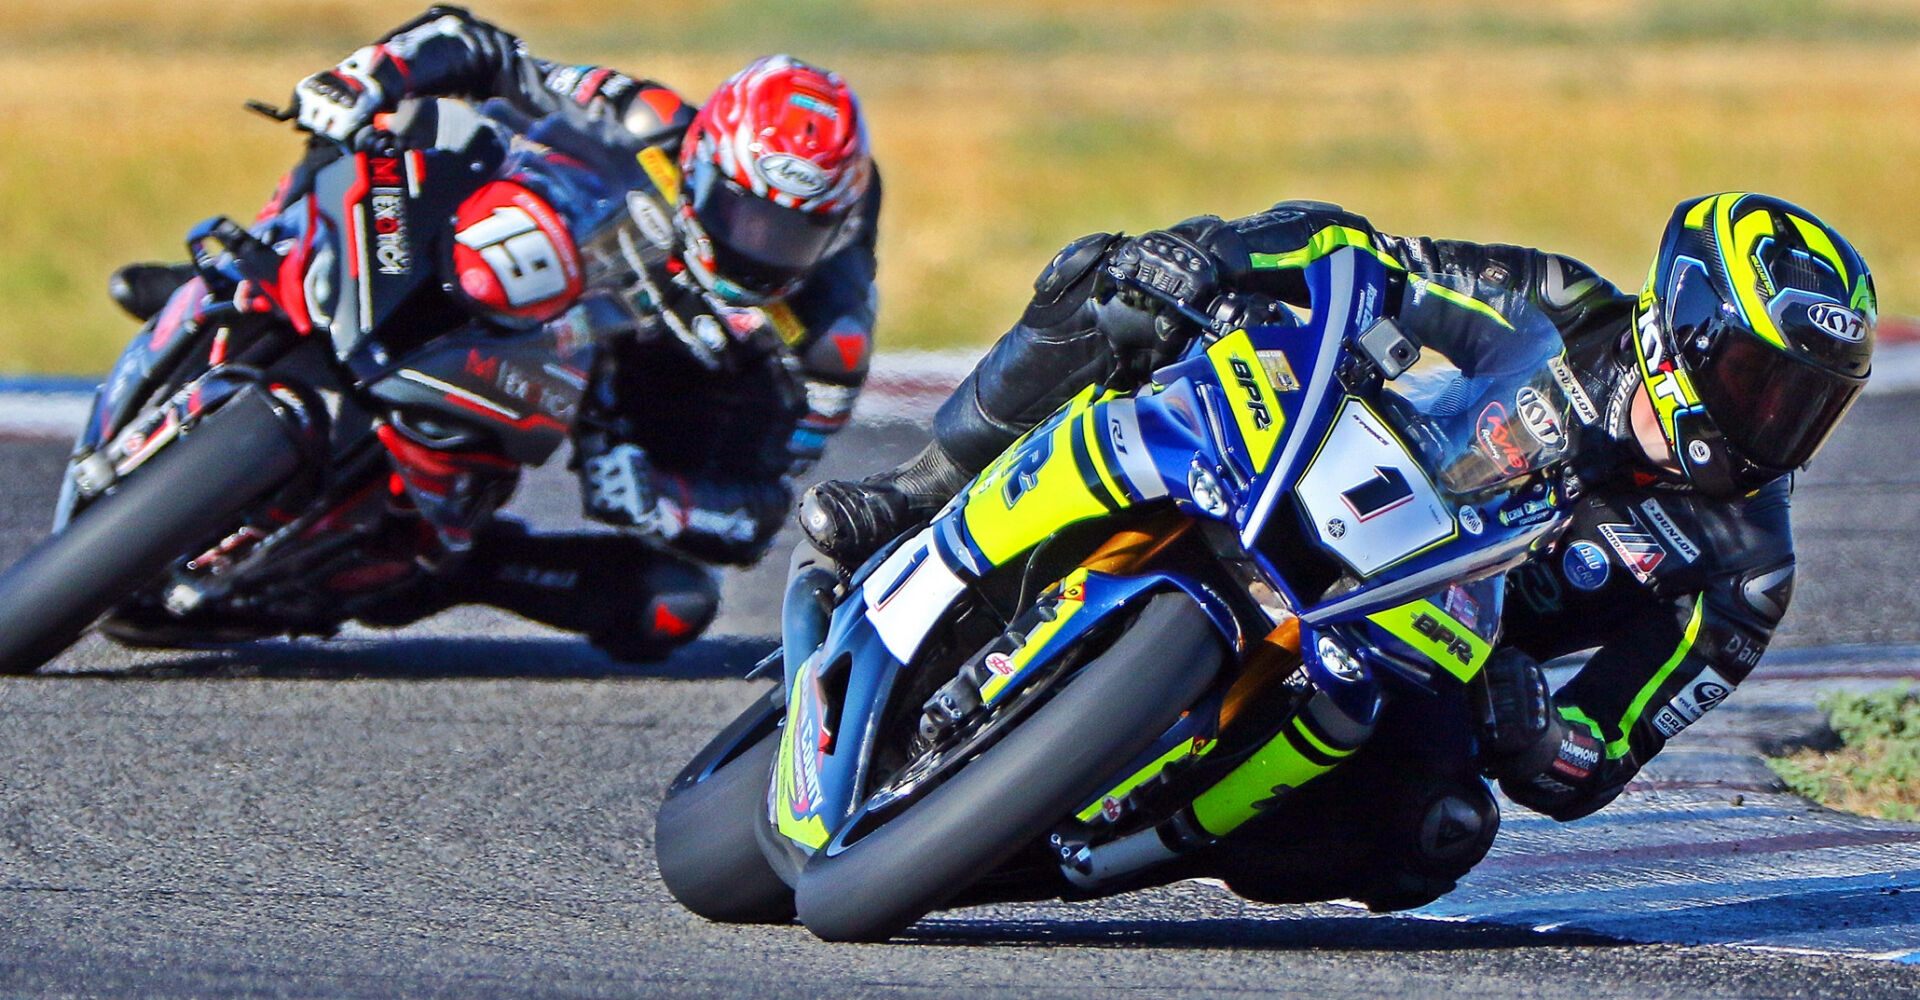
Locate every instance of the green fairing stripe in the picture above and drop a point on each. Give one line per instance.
(1180, 751)
(1323, 243)
(1279, 765)
(1618, 748)
(1463, 300)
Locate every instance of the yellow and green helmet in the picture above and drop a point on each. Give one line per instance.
(1755, 334)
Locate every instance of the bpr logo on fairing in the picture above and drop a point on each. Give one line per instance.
(1430, 627)
(1256, 404)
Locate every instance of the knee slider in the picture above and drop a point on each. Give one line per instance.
(1449, 828)
(1067, 280)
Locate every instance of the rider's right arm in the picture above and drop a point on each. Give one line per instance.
(1268, 252)
(448, 52)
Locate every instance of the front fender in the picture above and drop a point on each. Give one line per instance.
(838, 698)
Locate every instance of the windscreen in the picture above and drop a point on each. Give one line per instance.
(1481, 402)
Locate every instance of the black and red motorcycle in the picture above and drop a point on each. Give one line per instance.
(315, 425)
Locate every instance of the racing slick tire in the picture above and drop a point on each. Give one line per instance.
(183, 496)
(1011, 794)
(704, 836)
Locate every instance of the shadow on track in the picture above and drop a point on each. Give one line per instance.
(439, 658)
(1345, 934)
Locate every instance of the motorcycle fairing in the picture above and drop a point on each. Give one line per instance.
(524, 387)
(155, 349)
(383, 211)
(824, 755)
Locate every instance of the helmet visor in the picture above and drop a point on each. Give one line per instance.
(757, 244)
(1776, 409)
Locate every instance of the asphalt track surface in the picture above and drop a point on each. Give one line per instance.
(464, 809)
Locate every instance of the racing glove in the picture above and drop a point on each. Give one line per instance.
(1517, 706)
(1142, 291)
(339, 102)
(1543, 760)
(616, 487)
(716, 521)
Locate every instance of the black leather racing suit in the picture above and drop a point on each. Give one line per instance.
(1679, 593)
(726, 401)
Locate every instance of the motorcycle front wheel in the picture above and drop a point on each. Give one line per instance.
(1061, 755)
(705, 840)
(181, 497)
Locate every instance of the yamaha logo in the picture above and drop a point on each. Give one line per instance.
(1838, 322)
(1700, 452)
(792, 175)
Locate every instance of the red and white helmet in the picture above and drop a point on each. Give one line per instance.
(774, 169)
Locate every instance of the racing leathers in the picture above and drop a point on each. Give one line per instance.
(724, 402)
(1679, 593)
(697, 411)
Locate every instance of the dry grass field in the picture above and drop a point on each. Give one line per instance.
(1006, 127)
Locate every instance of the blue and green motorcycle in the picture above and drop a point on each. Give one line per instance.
(1129, 652)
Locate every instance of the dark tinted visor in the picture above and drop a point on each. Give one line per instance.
(757, 244)
(1774, 408)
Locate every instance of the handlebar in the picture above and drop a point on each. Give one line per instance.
(1215, 326)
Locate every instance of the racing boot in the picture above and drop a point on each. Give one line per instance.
(849, 521)
(143, 289)
(1041, 362)
(633, 600)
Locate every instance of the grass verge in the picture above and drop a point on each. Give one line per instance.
(1006, 128)
(1873, 772)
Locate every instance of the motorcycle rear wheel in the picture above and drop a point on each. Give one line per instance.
(181, 497)
(1009, 796)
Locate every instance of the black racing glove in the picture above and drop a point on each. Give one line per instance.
(1145, 289)
(1542, 761)
(1517, 707)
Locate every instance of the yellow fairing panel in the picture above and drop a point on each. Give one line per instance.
(1051, 478)
(1256, 408)
(1424, 626)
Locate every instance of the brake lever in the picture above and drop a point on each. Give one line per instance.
(1215, 328)
(266, 110)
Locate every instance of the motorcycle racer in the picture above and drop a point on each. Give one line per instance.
(728, 276)
(1696, 400)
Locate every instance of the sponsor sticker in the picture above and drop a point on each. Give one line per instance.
(1000, 663)
(1495, 431)
(1698, 698)
(1470, 520)
(1570, 384)
(790, 174)
(1700, 452)
(391, 253)
(1838, 321)
(1585, 566)
(1539, 418)
(1677, 540)
(651, 219)
(1639, 551)
(1463, 607)
(1279, 371)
